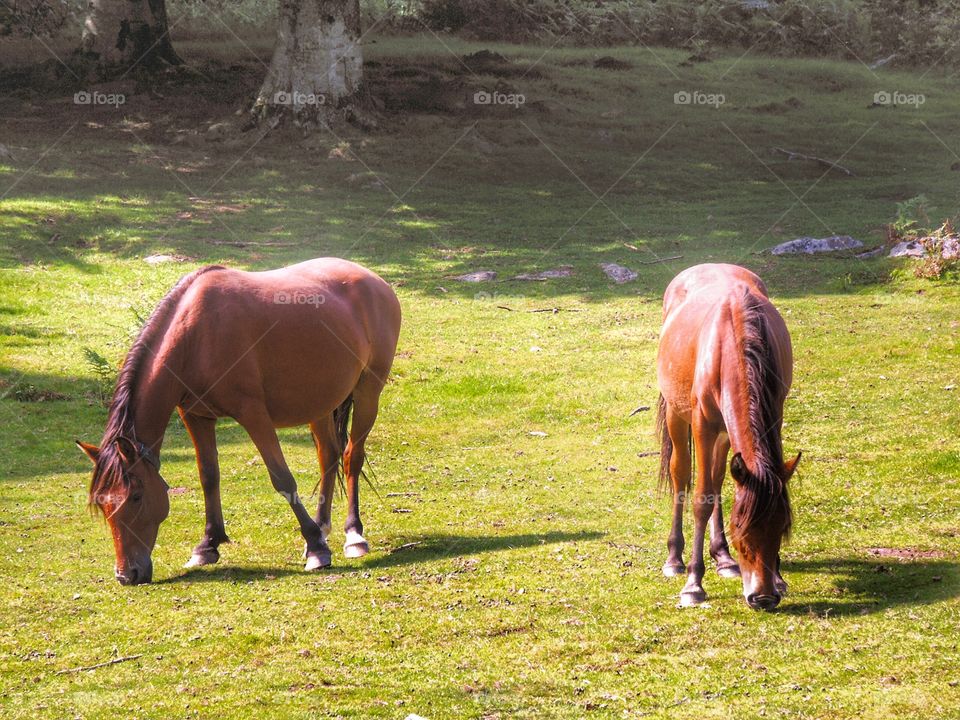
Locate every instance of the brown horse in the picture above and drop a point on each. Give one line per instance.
(724, 367)
(299, 345)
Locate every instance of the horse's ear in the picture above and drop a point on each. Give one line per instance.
(790, 467)
(738, 469)
(128, 452)
(91, 451)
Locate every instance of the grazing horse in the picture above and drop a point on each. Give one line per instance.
(724, 367)
(295, 346)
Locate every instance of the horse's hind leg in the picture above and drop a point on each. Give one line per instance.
(366, 398)
(679, 432)
(328, 453)
(259, 426)
(719, 549)
(203, 433)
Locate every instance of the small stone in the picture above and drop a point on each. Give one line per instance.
(160, 259)
(477, 276)
(560, 272)
(618, 273)
(220, 130)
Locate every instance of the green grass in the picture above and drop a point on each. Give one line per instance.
(534, 588)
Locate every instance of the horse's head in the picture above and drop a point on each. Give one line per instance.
(760, 520)
(128, 489)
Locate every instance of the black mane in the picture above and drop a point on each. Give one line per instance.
(765, 486)
(108, 475)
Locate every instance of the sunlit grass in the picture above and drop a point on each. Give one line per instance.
(508, 467)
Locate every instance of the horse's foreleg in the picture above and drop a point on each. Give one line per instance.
(679, 431)
(704, 438)
(203, 433)
(719, 549)
(260, 428)
(366, 398)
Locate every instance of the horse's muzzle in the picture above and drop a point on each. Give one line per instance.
(763, 602)
(136, 574)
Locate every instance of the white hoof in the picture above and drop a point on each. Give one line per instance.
(201, 559)
(694, 598)
(317, 562)
(673, 569)
(355, 546)
(729, 571)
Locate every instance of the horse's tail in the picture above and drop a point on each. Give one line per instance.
(341, 424)
(666, 444)
(341, 431)
(666, 449)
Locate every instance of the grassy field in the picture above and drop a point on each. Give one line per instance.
(518, 536)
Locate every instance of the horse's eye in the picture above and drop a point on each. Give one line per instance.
(136, 497)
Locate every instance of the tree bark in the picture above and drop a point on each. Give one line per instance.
(128, 33)
(317, 66)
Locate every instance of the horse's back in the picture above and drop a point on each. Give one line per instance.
(300, 336)
(324, 292)
(710, 283)
(702, 307)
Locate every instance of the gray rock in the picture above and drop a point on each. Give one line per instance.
(908, 248)
(560, 272)
(809, 245)
(876, 252)
(618, 273)
(951, 248)
(478, 276)
(160, 259)
(220, 131)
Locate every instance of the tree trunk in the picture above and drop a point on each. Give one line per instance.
(317, 66)
(128, 33)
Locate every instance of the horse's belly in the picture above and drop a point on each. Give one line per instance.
(311, 391)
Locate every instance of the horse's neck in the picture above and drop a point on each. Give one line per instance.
(155, 397)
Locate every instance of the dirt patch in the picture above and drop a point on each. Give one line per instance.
(487, 62)
(779, 108)
(409, 89)
(906, 553)
(611, 63)
(31, 394)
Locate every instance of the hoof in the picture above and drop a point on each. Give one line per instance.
(355, 546)
(673, 569)
(692, 598)
(318, 560)
(204, 557)
(728, 571)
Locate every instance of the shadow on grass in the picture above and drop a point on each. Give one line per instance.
(866, 586)
(428, 548)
